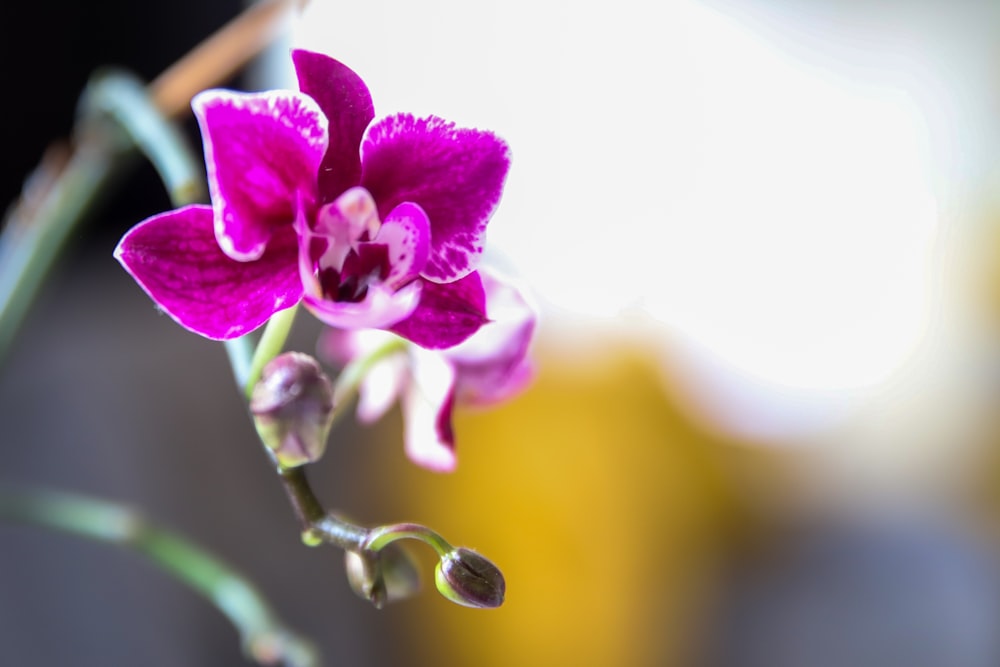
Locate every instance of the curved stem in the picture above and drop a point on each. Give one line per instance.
(318, 526)
(382, 536)
(263, 636)
(65, 184)
(222, 54)
(123, 97)
(36, 230)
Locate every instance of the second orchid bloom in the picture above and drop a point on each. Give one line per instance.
(489, 367)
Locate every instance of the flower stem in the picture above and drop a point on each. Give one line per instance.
(240, 352)
(263, 636)
(271, 341)
(37, 229)
(383, 536)
(318, 525)
(67, 182)
(350, 377)
(123, 97)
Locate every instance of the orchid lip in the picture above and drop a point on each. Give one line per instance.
(346, 252)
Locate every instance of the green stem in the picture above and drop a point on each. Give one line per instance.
(36, 231)
(124, 98)
(32, 240)
(263, 636)
(240, 352)
(271, 341)
(318, 526)
(383, 536)
(350, 378)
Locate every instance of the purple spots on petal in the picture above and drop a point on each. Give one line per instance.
(455, 175)
(406, 231)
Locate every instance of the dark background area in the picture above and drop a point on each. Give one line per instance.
(98, 396)
(49, 51)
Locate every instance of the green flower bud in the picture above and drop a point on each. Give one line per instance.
(292, 405)
(468, 579)
(382, 576)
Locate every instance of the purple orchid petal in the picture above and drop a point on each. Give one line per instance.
(385, 380)
(407, 233)
(383, 384)
(175, 258)
(493, 364)
(456, 175)
(262, 151)
(427, 407)
(347, 104)
(379, 309)
(448, 313)
(341, 346)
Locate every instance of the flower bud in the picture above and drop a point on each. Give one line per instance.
(292, 405)
(382, 576)
(468, 579)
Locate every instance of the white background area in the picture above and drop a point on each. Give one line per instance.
(768, 197)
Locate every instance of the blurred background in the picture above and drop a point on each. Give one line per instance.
(763, 239)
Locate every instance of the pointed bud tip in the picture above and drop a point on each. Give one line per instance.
(467, 578)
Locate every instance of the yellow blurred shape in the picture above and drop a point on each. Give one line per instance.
(602, 505)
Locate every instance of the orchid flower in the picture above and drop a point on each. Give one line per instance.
(489, 367)
(369, 224)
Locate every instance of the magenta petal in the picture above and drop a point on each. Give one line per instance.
(456, 175)
(386, 378)
(493, 364)
(345, 100)
(383, 384)
(175, 258)
(447, 314)
(407, 233)
(427, 408)
(262, 151)
(379, 309)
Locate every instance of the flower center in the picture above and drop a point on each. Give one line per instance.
(362, 267)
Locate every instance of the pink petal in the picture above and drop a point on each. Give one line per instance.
(386, 379)
(448, 313)
(456, 175)
(493, 363)
(427, 408)
(341, 346)
(381, 387)
(175, 258)
(407, 233)
(347, 104)
(263, 151)
(381, 307)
